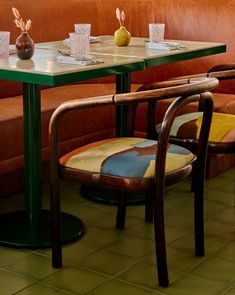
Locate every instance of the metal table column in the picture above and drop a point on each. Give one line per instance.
(30, 228)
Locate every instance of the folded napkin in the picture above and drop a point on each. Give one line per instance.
(12, 49)
(164, 45)
(92, 40)
(82, 60)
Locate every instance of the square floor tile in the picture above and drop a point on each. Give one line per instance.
(74, 252)
(179, 260)
(194, 285)
(216, 269)
(75, 280)
(100, 237)
(184, 217)
(132, 247)
(131, 223)
(11, 283)
(221, 228)
(115, 287)
(213, 243)
(145, 274)
(9, 255)
(218, 182)
(33, 266)
(107, 262)
(88, 214)
(147, 232)
(231, 291)
(219, 195)
(39, 289)
(228, 252)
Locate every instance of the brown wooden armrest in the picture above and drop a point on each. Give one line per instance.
(222, 67)
(221, 72)
(173, 82)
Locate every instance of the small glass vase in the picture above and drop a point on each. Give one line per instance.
(24, 46)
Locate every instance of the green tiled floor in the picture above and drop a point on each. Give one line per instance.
(110, 262)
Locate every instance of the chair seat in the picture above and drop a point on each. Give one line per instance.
(188, 126)
(125, 157)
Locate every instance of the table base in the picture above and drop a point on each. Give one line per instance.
(109, 196)
(15, 232)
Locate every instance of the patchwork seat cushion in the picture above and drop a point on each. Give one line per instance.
(188, 126)
(125, 157)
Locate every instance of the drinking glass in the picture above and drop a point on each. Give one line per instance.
(4, 44)
(156, 32)
(83, 29)
(79, 43)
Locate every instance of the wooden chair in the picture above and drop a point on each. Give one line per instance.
(130, 164)
(186, 128)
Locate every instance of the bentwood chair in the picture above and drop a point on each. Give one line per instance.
(129, 164)
(186, 128)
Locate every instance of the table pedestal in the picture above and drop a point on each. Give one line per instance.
(105, 196)
(16, 232)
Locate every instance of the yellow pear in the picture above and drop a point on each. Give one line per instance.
(122, 37)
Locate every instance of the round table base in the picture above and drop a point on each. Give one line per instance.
(109, 196)
(15, 232)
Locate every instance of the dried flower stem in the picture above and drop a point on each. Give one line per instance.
(20, 23)
(120, 16)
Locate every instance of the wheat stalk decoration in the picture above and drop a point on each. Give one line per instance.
(20, 23)
(120, 16)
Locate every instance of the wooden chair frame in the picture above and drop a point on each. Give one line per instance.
(186, 92)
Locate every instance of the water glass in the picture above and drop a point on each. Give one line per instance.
(156, 32)
(79, 43)
(4, 44)
(83, 29)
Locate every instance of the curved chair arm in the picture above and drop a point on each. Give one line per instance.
(222, 67)
(221, 72)
(172, 82)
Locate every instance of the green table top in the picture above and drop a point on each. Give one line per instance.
(43, 69)
(155, 57)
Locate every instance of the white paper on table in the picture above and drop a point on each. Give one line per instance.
(82, 60)
(164, 45)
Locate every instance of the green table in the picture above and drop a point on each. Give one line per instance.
(30, 228)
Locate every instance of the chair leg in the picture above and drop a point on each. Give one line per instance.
(148, 207)
(160, 240)
(56, 226)
(194, 178)
(198, 181)
(121, 211)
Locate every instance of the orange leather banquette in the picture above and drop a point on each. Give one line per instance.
(52, 20)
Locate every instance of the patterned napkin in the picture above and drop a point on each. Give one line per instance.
(82, 60)
(165, 45)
